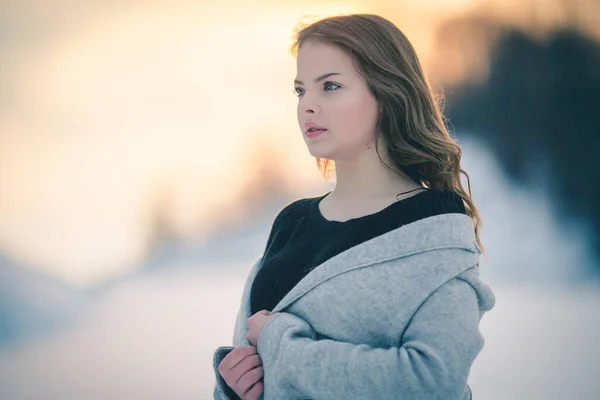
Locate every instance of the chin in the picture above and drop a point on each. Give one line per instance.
(318, 151)
(329, 152)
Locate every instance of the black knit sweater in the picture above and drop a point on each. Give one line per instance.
(301, 239)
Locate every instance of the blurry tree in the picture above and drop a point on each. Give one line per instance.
(537, 108)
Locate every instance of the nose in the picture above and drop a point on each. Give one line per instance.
(308, 105)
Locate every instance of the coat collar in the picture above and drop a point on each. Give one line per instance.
(438, 232)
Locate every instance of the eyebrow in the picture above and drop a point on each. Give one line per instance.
(320, 78)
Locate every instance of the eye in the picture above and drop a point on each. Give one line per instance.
(327, 84)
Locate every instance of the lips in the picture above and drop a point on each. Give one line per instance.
(311, 126)
(312, 133)
(313, 130)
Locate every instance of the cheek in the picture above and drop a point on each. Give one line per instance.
(357, 118)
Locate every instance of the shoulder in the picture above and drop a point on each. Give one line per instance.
(443, 202)
(289, 216)
(295, 210)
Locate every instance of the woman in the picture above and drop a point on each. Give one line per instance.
(372, 290)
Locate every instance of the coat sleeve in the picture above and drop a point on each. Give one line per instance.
(222, 391)
(432, 360)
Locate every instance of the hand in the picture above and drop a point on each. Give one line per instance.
(256, 324)
(242, 371)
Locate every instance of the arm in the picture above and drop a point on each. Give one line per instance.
(432, 362)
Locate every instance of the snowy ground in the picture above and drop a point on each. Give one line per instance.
(153, 337)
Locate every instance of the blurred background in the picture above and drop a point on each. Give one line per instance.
(146, 146)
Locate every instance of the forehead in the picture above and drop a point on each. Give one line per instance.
(315, 58)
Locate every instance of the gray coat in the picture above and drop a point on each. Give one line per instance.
(395, 317)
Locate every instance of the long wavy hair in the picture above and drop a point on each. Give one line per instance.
(411, 122)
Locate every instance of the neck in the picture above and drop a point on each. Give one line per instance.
(366, 178)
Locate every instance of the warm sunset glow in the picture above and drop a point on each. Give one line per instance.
(153, 110)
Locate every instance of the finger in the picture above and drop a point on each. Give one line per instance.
(249, 379)
(233, 376)
(240, 356)
(261, 312)
(245, 350)
(248, 364)
(236, 356)
(255, 391)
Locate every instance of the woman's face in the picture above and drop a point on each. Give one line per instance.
(332, 94)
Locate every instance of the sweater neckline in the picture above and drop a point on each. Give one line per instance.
(320, 220)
